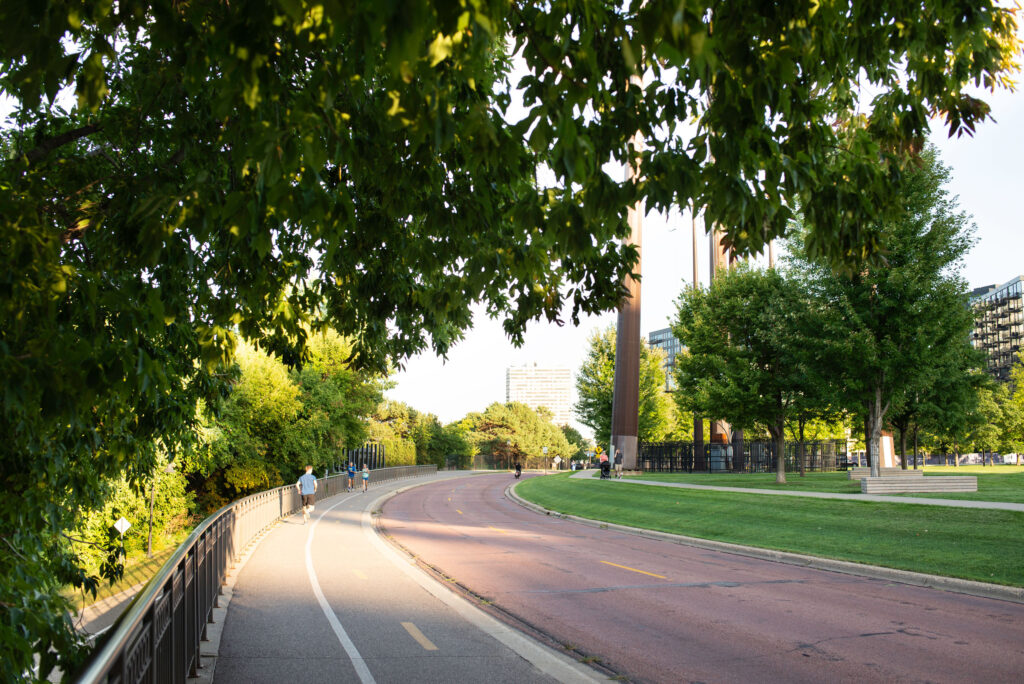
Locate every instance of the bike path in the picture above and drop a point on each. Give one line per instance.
(952, 503)
(329, 601)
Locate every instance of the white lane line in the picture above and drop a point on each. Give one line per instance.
(350, 648)
(420, 638)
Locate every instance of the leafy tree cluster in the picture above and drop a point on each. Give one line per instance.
(595, 382)
(506, 434)
(173, 509)
(275, 421)
(575, 438)
(394, 422)
(268, 169)
(887, 342)
(989, 421)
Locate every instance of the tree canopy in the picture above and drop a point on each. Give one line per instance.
(907, 319)
(757, 346)
(595, 383)
(511, 433)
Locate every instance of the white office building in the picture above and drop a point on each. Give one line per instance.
(534, 386)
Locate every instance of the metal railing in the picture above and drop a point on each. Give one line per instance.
(157, 638)
(744, 457)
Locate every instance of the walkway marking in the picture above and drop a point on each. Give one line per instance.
(350, 648)
(498, 529)
(359, 573)
(416, 634)
(626, 567)
(458, 511)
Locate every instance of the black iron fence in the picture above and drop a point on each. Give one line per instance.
(741, 457)
(371, 454)
(157, 638)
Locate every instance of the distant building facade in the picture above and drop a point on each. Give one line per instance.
(664, 340)
(999, 324)
(534, 386)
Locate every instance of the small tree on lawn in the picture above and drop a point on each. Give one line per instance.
(751, 352)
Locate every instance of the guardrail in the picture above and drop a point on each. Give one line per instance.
(157, 638)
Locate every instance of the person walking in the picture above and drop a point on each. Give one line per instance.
(366, 477)
(351, 476)
(307, 490)
(618, 464)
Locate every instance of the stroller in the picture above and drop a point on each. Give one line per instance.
(606, 470)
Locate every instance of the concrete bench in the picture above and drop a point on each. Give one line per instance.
(861, 473)
(900, 485)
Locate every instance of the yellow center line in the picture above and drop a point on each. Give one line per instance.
(498, 530)
(626, 567)
(416, 634)
(458, 511)
(359, 573)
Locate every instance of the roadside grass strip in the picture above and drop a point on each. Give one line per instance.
(137, 571)
(995, 483)
(977, 544)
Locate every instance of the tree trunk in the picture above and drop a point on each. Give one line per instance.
(867, 435)
(779, 433)
(801, 453)
(956, 455)
(875, 416)
(903, 446)
(915, 446)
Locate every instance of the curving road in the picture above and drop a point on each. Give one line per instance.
(661, 612)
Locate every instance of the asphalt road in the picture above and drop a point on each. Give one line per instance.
(330, 602)
(661, 612)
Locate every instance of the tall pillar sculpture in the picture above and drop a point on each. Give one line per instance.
(626, 392)
(698, 423)
(720, 259)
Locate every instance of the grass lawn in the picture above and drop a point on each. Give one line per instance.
(137, 570)
(995, 483)
(983, 545)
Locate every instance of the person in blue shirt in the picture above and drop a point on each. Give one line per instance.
(351, 476)
(366, 477)
(307, 489)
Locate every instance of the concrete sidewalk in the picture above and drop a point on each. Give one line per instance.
(329, 601)
(951, 503)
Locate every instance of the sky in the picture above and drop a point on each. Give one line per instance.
(987, 176)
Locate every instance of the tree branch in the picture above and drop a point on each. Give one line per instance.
(53, 143)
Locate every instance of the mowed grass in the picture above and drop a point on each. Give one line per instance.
(982, 545)
(995, 483)
(138, 570)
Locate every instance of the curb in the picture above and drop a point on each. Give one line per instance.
(918, 579)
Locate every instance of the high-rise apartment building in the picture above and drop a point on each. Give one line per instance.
(534, 386)
(664, 340)
(999, 324)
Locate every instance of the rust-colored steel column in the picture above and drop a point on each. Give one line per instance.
(626, 392)
(720, 260)
(698, 423)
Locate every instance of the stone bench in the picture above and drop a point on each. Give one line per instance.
(861, 473)
(937, 483)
